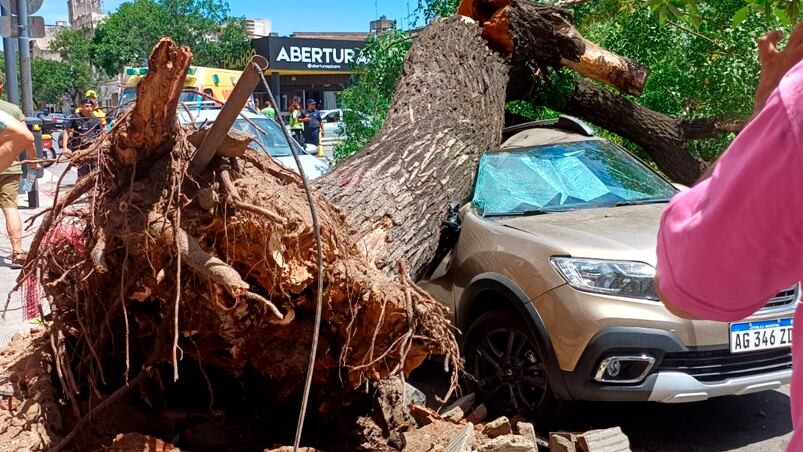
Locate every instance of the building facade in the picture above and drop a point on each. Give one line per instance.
(85, 14)
(310, 66)
(40, 47)
(257, 28)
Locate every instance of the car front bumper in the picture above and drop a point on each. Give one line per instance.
(678, 387)
(679, 374)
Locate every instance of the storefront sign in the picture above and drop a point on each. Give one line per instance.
(297, 54)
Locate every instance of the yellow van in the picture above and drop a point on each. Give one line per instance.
(214, 82)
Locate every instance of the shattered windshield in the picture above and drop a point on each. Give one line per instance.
(565, 176)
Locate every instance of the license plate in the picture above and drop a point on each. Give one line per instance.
(762, 335)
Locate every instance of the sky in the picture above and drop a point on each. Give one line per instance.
(287, 16)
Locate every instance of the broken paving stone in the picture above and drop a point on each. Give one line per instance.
(508, 443)
(459, 408)
(561, 442)
(478, 414)
(497, 427)
(608, 440)
(413, 395)
(423, 415)
(455, 415)
(462, 440)
(527, 430)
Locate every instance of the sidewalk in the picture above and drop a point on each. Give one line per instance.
(13, 321)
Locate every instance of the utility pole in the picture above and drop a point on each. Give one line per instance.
(25, 58)
(12, 86)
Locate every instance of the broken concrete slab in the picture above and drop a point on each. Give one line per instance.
(498, 427)
(462, 440)
(478, 414)
(508, 443)
(607, 440)
(463, 403)
(561, 442)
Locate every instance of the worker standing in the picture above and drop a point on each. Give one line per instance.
(296, 126)
(313, 124)
(96, 111)
(269, 111)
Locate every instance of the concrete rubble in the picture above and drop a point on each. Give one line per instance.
(460, 428)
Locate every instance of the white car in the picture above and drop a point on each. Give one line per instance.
(268, 134)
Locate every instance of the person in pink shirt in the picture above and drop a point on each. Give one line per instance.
(727, 245)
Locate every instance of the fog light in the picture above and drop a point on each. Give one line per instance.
(624, 369)
(614, 367)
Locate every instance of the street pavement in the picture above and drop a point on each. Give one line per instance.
(753, 423)
(14, 318)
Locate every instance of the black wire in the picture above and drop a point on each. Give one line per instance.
(319, 302)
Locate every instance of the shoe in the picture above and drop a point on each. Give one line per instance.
(18, 260)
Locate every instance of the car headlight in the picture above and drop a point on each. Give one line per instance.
(619, 278)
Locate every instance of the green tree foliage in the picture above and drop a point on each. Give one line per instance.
(127, 36)
(74, 49)
(699, 68)
(53, 82)
(368, 101)
(431, 9)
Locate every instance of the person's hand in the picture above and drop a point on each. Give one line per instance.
(774, 63)
(66, 152)
(34, 166)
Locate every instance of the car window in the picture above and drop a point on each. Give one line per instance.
(585, 174)
(269, 134)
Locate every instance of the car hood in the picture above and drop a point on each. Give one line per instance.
(626, 233)
(313, 166)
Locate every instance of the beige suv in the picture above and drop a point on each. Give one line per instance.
(551, 283)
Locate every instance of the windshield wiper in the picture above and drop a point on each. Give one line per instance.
(524, 213)
(640, 202)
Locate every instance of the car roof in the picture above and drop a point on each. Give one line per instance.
(564, 129)
(209, 114)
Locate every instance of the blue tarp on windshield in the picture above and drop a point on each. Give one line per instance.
(563, 175)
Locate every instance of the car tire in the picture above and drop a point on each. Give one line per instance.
(506, 367)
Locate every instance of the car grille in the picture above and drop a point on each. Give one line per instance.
(720, 365)
(785, 298)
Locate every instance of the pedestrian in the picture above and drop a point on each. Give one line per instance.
(97, 111)
(269, 111)
(313, 124)
(79, 133)
(14, 138)
(726, 246)
(296, 126)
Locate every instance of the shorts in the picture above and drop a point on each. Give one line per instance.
(9, 190)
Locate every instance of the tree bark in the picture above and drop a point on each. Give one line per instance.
(448, 108)
(152, 121)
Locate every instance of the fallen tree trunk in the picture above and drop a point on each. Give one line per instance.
(448, 108)
(233, 288)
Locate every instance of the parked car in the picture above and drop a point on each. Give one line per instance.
(551, 282)
(268, 138)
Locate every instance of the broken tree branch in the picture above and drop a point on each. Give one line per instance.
(537, 34)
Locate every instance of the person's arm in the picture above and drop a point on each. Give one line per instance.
(65, 137)
(320, 124)
(733, 241)
(14, 138)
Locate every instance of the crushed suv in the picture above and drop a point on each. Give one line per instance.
(550, 282)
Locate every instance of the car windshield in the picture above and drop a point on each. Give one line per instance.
(272, 139)
(565, 176)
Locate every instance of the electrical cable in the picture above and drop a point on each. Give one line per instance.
(319, 302)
